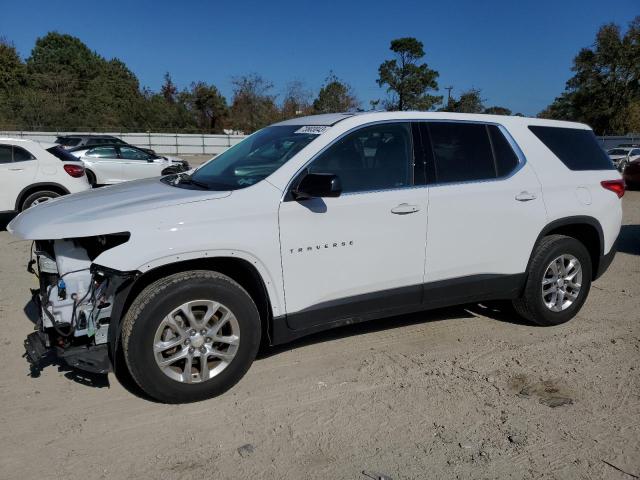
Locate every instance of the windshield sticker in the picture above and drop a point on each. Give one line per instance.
(313, 129)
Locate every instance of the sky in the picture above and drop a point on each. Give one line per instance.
(519, 53)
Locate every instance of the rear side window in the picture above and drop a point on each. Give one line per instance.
(21, 155)
(62, 154)
(506, 158)
(5, 154)
(578, 149)
(461, 151)
(10, 153)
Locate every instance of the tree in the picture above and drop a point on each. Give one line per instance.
(12, 81)
(207, 105)
(496, 110)
(169, 89)
(407, 81)
(469, 102)
(605, 83)
(253, 105)
(335, 96)
(297, 100)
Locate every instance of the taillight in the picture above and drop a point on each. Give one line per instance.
(616, 186)
(76, 171)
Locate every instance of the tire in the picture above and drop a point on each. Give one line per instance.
(147, 316)
(170, 171)
(91, 178)
(38, 197)
(531, 305)
(622, 165)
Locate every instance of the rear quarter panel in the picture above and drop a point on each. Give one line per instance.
(569, 193)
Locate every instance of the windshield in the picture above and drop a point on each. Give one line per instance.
(617, 151)
(255, 158)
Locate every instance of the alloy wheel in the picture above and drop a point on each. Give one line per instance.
(561, 283)
(196, 341)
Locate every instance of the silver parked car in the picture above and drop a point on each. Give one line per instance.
(115, 163)
(622, 156)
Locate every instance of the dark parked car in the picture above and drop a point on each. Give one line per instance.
(77, 141)
(631, 174)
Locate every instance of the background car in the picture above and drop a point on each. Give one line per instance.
(32, 173)
(622, 156)
(71, 142)
(631, 174)
(115, 163)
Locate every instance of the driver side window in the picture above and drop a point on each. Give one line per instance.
(378, 157)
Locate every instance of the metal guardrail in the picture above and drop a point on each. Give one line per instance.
(167, 143)
(612, 141)
(207, 144)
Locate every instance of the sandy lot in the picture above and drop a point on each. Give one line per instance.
(456, 393)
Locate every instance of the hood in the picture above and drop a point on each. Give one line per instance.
(97, 211)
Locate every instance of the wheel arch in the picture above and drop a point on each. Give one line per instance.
(583, 228)
(238, 269)
(89, 172)
(36, 187)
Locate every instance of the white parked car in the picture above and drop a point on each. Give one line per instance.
(317, 222)
(32, 173)
(109, 164)
(622, 156)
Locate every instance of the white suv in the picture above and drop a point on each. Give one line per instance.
(318, 222)
(32, 173)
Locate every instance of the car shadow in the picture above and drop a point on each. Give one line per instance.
(500, 311)
(5, 218)
(629, 239)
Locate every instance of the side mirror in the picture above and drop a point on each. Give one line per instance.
(318, 185)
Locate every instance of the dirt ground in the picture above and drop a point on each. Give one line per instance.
(455, 393)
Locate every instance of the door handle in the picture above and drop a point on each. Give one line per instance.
(525, 196)
(405, 209)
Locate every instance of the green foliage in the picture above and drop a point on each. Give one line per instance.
(297, 100)
(605, 88)
(407, 81)
(335, 96)
(12, 80)
(469, 102)
(496, 110)
(207, 105)
(253, 105)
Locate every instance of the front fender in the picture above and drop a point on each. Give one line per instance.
(271, 282)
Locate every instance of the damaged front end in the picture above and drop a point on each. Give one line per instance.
(76, 301)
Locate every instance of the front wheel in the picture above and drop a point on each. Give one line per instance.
(558, 281)
(190, 336)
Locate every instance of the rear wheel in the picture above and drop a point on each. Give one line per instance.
(91, 178)
(38, 197)
(190, 336)
(558, 281)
